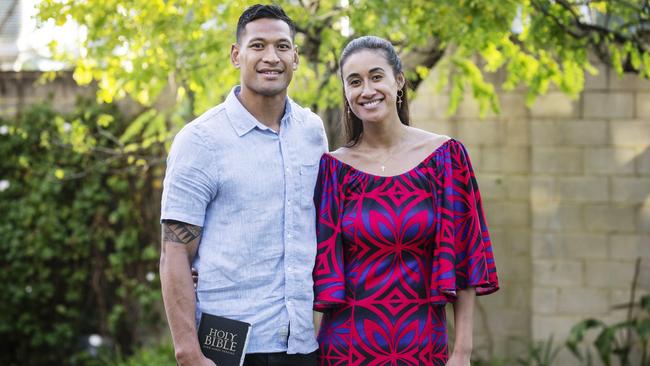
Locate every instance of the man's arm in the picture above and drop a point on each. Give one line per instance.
(180, 242)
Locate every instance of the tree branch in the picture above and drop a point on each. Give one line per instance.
(555, 19)
(578, 29)
(427, 56)
(567, 6)
(312, 32)
(586, 29)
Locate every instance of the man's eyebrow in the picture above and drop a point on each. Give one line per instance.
(256, 40)
(260, 39)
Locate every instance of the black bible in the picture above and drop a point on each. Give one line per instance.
(223, 340)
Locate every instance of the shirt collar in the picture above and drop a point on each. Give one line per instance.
(243, 121)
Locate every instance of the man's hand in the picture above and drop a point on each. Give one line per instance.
(195, 360)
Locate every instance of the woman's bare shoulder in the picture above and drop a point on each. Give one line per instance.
(341, 152)
(347, 155)
(428, 140)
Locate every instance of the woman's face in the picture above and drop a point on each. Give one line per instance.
(370, 86)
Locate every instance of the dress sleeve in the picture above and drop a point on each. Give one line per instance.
(463, 256)
(329, 277)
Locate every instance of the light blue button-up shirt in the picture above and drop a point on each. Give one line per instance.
(251, 189)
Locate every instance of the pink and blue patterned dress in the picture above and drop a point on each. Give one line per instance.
(392, 251)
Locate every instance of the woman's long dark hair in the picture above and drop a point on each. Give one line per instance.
(351, 123)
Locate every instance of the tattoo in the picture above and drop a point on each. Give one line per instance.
(180, 232)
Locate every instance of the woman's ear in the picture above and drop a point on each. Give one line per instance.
(401, 80)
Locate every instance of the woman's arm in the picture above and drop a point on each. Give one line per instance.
(463, 326)
(318, 317)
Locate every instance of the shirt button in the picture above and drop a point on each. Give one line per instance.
(289, 236)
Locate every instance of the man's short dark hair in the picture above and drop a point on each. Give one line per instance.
(259, 11)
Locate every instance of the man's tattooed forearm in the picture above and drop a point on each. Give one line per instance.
(180, 232)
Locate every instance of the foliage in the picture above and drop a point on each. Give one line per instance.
(79, 235)
(159, 355)
(627, 340)
(156, 354)
(620, 339)
(542, 353)
(489, 362)
(141, 47)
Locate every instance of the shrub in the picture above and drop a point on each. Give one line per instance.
(79, 235)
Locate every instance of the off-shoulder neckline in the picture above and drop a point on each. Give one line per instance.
(423, 162)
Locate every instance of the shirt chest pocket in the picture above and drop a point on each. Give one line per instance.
(308, 175)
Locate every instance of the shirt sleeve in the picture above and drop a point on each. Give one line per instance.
(463, 256)
(324, 143)
(190, 180)
(329, 275)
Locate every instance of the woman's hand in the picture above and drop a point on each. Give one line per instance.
(458, 360)
(195, 276)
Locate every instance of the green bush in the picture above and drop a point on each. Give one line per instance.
(159, 355)
(623, 340)
(156, 354)
(79, 235)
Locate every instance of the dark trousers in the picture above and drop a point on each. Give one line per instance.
(280, 359)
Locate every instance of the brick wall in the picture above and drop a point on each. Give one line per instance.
(566, 185)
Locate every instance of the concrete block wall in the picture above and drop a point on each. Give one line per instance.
(499, 148)
(18, 90)
(566, 185)
(21, 89)
(589, 197)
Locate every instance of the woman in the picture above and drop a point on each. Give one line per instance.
(400, 227)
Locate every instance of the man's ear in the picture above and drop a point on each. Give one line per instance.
(234, 55)
(296, 58)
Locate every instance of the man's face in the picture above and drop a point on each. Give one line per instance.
(265, 56)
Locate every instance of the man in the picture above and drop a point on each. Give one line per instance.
(237, 205)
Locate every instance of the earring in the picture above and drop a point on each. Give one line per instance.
(348, 110)
(400, 94)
